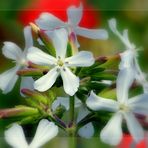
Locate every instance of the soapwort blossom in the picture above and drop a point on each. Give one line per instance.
(12, 51)
(49, 22)
(45, 131)
(130, 55)
(60, 65)
(123, 108)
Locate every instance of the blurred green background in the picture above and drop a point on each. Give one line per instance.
(131, 14)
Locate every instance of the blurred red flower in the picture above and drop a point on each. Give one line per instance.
(90, 18)
(127, 142)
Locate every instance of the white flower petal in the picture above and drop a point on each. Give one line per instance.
(78, 102)
(96, 103)
(45, 131)
(46, 81)
(60, 39)
(70, 81)
(26, 82)
(127, 59)
(15, 137)
(81, 59)
(8, 79)
(65, 102)
(12, 51)
(37, 56)
(139, 104)
(112, 132)
(92, 33)
(47, 21)
(74, 14)
(28, 37)
(145, 87)
(83, 111)
(124, 38)
(134, 127)
(124, 81)
(73, 38)
(87, 131)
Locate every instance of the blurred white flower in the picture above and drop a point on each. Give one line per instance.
(45, 131)
(124, 108)
(12, 51)
(64, 101)
(129, 56)
(49, 22)
(60, 64)
(86, 131)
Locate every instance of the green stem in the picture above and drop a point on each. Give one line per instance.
(72, 128)
(72, 142)
(72, 109)
(58, 122)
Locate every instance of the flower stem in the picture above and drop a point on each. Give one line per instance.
(72, 142)
(72, 128)
(72, 109)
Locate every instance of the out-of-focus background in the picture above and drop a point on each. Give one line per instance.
(130, 14)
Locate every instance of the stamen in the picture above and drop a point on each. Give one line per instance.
(124, 107)
(60, 63)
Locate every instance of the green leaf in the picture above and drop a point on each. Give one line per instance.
(108, 93)
(102, 76)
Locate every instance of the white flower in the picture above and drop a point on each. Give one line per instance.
(129, 56)
(45, 131)
(124, 108)
(12, 51)
(60, 64)
(64, 101)
(86, 131)
(49, 22)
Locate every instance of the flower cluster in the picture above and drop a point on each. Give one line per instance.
(58, 78)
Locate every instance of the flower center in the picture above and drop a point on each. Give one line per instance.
(124, 107)
(60, 62)
(22, 62)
